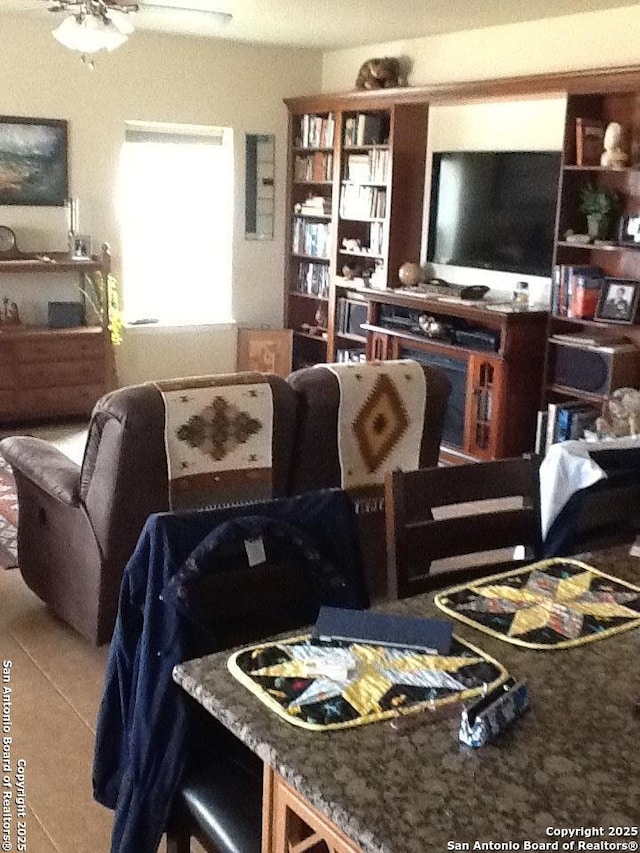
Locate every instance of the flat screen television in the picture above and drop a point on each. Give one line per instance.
(494, 210)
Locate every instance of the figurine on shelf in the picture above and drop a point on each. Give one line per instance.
(613, 156)
(9, 316)
(322, 315)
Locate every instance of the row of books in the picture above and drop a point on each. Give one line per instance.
(349, 355)
(575, 290)
(313, 279)
(366, 129)
(313, 167)
(372, 166)
(311, 238)
(316, 131)
(376, 238)
(564, 421)
(358, 202)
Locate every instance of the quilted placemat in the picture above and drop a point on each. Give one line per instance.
(334, 685)
(556, 603)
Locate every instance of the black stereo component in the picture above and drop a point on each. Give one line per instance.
(350, 315)
(485, 340)
(65, 315)
(594, 369)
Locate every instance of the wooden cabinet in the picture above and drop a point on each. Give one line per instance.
(355, 195)
(46, 372)
(293, 825)
(493, 356)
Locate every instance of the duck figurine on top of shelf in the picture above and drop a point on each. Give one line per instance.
(613, 156)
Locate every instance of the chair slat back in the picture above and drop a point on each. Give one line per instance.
(419, 532)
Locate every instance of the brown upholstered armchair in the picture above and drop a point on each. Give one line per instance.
(78, 525)
(316, 462)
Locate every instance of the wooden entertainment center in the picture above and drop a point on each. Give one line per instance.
(355, 197)
(54, 372)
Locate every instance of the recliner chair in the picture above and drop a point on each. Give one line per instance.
(78, 525)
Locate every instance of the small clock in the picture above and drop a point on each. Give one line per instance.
(8, 246)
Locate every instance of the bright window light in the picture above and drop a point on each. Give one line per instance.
(176, 215)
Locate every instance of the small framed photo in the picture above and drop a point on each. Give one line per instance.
(618, 301)
(80, 247)
(629, 230)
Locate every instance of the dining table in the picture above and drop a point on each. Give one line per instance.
(564, 776)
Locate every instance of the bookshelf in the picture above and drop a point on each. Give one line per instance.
(355, 195)
(310, 204)
(587, 358)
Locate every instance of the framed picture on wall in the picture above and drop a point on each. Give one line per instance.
(33, 161)
(265, 350)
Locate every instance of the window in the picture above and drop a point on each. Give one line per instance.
(176, 215)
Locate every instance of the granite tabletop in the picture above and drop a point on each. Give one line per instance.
(567, 771)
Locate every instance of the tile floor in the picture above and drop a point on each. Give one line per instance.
(56, 681)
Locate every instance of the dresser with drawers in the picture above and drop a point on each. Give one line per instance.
(45, 372)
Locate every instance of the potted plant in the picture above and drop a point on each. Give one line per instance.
(598, 205)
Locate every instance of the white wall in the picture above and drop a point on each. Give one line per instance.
(571, 42)
(157, 78)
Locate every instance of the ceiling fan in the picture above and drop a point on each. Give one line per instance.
(94, 25)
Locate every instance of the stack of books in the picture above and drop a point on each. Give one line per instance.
(316, 205)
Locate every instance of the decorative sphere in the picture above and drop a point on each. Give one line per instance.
(409, 273)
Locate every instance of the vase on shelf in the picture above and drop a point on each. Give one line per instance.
(597, 226)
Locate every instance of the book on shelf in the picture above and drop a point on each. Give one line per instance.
(316, 131)
(362, 202)
(316, 167)
(372, 167)
(364, 129)
(568, 421)
(369, 129)
(358, 167)
(541, 432)
(575, 290)
(316, 205)
(589, 141)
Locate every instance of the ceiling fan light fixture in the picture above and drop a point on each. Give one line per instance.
(89, 34)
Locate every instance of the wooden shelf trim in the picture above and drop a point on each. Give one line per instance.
(592, 247)
(308, 296)
(610, 170)
(588, 81)
(576, 393)
(318, 258)
(57, 264)
(423, 339)
(299, 333)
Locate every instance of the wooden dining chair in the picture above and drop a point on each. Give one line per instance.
(476, 514)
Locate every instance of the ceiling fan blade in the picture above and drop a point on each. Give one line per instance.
(120, 21)
(211, 14)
